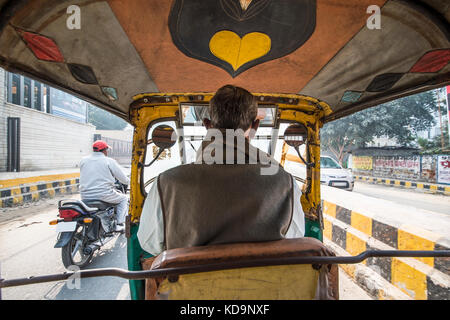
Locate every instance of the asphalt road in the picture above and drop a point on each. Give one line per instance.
(408, 197)
(26, 249)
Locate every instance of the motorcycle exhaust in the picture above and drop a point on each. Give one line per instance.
(90, 248)
(95, 246)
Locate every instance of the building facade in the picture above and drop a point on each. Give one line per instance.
(41, 128)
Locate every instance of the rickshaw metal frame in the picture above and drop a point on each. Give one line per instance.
(263, 262)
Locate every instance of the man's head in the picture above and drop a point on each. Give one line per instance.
(233, 108)
(100, 146)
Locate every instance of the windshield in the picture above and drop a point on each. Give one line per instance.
(328, 163)
(193, 136)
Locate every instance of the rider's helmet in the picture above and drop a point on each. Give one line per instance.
(100, 145)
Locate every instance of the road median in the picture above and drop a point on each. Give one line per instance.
(406, 184)
(20, 188)
(354, 223)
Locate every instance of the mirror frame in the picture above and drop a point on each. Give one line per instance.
(296, 143)
(164, 144)
(260, 106)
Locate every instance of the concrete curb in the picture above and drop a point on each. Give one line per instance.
(429, 187)
(23, 190)
(366, 278)
(419, 278)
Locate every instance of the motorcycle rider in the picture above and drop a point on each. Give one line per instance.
(98, 174)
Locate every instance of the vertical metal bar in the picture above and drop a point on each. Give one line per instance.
(49, 100)
(32, 94)
(21, 91)
(13, 157)
(9, 146)
(18, 145)
(41, 89)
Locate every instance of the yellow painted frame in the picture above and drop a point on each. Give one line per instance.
(151, 107)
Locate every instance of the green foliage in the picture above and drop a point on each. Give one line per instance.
(400, 120)
(104, 120)
(434, 146)
(405, 117)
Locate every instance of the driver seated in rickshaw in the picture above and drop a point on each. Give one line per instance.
(212, 201)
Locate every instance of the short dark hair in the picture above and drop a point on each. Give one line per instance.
(233, 108)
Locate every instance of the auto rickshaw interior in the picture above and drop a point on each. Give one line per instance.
(184, 112)
(152, 62)
(287, 121)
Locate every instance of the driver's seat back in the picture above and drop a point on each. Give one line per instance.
(265, 282)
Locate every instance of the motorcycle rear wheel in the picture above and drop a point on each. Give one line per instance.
(72, 253)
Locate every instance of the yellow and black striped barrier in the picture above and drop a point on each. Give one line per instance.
(428, 187)
(15, 192)
(417, 278)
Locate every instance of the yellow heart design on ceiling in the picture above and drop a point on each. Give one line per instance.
(229, 47)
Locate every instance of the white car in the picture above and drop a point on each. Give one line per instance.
(333, 175)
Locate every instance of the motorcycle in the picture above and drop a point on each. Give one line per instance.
(84, 227)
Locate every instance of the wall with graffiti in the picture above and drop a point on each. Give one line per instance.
(428, 168)
(443, 169)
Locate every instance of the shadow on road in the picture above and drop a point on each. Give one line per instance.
(112, 255)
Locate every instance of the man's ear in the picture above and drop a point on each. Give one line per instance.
(255, 124)
(253, 128)
(207, 123)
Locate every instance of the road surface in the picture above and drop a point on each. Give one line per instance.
(26, 249)
(408, 197)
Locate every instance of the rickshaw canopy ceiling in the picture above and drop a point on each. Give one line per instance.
(340, 52)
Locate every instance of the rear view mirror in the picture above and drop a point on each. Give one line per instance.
(296, 135)
(164, 137)
(194, 114)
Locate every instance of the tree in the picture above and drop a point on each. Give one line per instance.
(400, 120)
(339, 136)
(104, 120)
(434, 145)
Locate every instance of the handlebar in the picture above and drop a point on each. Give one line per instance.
(140, 275)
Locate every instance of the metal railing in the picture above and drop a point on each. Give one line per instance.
(246, 263)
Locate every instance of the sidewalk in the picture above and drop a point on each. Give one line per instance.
(423, 186)
(16, 188)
